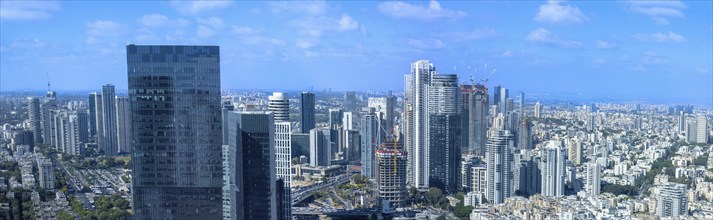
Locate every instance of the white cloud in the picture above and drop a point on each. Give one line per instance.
(305, 43)
(543, 36)
(347, 23)
(476, 34)
(195, 7)
(205, 31)
(651, 57)
(27, 10)
(311, 7)
(244, 30)
(99, 30)
(426, 43)
(251, 36)
(605, 45)
(658, 10)
(556, 13)
(433, 11)
(507, 53)
(214, 22)
(661, 37)
(153, 20)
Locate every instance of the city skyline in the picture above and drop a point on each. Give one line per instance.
(638, 50)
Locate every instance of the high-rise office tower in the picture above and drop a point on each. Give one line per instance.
(553, 169)
(348, 121)
(335, 118)
(46, 113)
(691, 132)
(46, 171)
(123, 124)
(385, 105)
(590, 123)
(369, 143)
(574, 149)
(701, 129)
(527, 173)
(79, 131)
(681, 122)
(592, 108)
(99, 109)
(33, 114)
(320, 147)
(62, 131)
(499, 164)
(671, 201)
(524, 134)
(444, 135)
(307, 112)
(593, 182)
(350, 101)
(416, 122)
(176, 122)
(109, 121)
(352, 145)
(92, 110)
(279, 104)
(538, 110)
(252, 184)
(496, 97)
(637, 123)
(521, 103)
(510, 105)
(503, 104)
(391, 175)
(474, 119)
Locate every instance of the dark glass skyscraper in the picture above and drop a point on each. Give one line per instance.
(307, 112)
(109, 121)
(33, 114)
(176, 124)
(252, 186)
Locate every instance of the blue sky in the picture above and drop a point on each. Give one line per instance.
(626, 49)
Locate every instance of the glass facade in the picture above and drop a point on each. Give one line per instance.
(174, 94)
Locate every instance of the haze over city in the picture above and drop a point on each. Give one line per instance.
(643, 51)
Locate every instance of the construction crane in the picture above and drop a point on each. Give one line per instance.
(486, 77)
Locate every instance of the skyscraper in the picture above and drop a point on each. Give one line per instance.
(575, 151)
(521, 103)
(279, 104)
(385, 105)
(123, 124)
(252, 191)
(47, 114)
(99, 137)
(307, 112)
(109, 134)
(503, 104)
(369, 143)
(538, 110)
(350, 101)
(416, 120)
(92, 109)
(593, 182)
(553, 169)
(681, 122)
(33, 114)
(176, 122)
(671, 201)
(701, 129)
(499, 164)
(590, 123)
(444, 135)
(320, 147)
(78, 132)
(474, 119)
(348, 121)
(46, 171)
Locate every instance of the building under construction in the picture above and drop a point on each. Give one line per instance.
(392, 174)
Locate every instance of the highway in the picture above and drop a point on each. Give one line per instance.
(303, 193)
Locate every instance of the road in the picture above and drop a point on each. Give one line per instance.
(303, 193)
